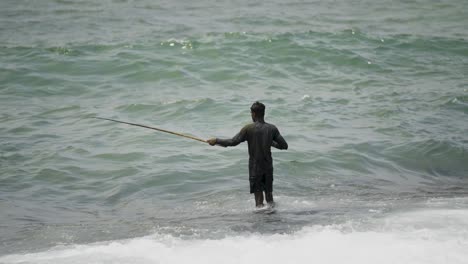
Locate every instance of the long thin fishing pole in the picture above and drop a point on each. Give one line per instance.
(154, 128)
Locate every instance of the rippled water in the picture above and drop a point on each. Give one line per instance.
(372, 97)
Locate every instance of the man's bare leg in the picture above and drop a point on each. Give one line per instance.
(269, 199)
(259, 199)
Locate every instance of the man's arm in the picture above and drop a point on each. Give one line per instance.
(278, 141)
(236, 140)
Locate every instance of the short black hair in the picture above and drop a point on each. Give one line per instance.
(258, 108)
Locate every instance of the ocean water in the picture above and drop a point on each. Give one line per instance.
(372, 97)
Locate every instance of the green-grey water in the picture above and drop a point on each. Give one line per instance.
(372, 97)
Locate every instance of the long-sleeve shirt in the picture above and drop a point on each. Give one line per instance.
(261, 137)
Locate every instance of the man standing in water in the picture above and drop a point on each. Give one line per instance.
(260, 136)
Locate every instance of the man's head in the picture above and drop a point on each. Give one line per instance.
(257, 110)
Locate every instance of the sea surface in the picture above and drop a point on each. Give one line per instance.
(371, 95)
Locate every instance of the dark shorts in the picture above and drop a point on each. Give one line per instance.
(263, 183)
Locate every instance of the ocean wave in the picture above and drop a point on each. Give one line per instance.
(173, 109)
(420, 236)
(459, 103)
(217, 57)
(434, 157)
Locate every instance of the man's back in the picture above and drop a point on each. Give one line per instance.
(260, 136)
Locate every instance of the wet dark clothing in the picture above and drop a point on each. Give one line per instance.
(261, 137)
(263, 183)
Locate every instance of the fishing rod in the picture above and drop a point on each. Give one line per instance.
(154, 128)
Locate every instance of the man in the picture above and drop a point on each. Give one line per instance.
(260, 136)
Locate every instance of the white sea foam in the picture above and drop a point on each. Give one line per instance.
(417, 237)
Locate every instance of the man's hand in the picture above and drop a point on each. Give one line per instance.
(211, 141)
